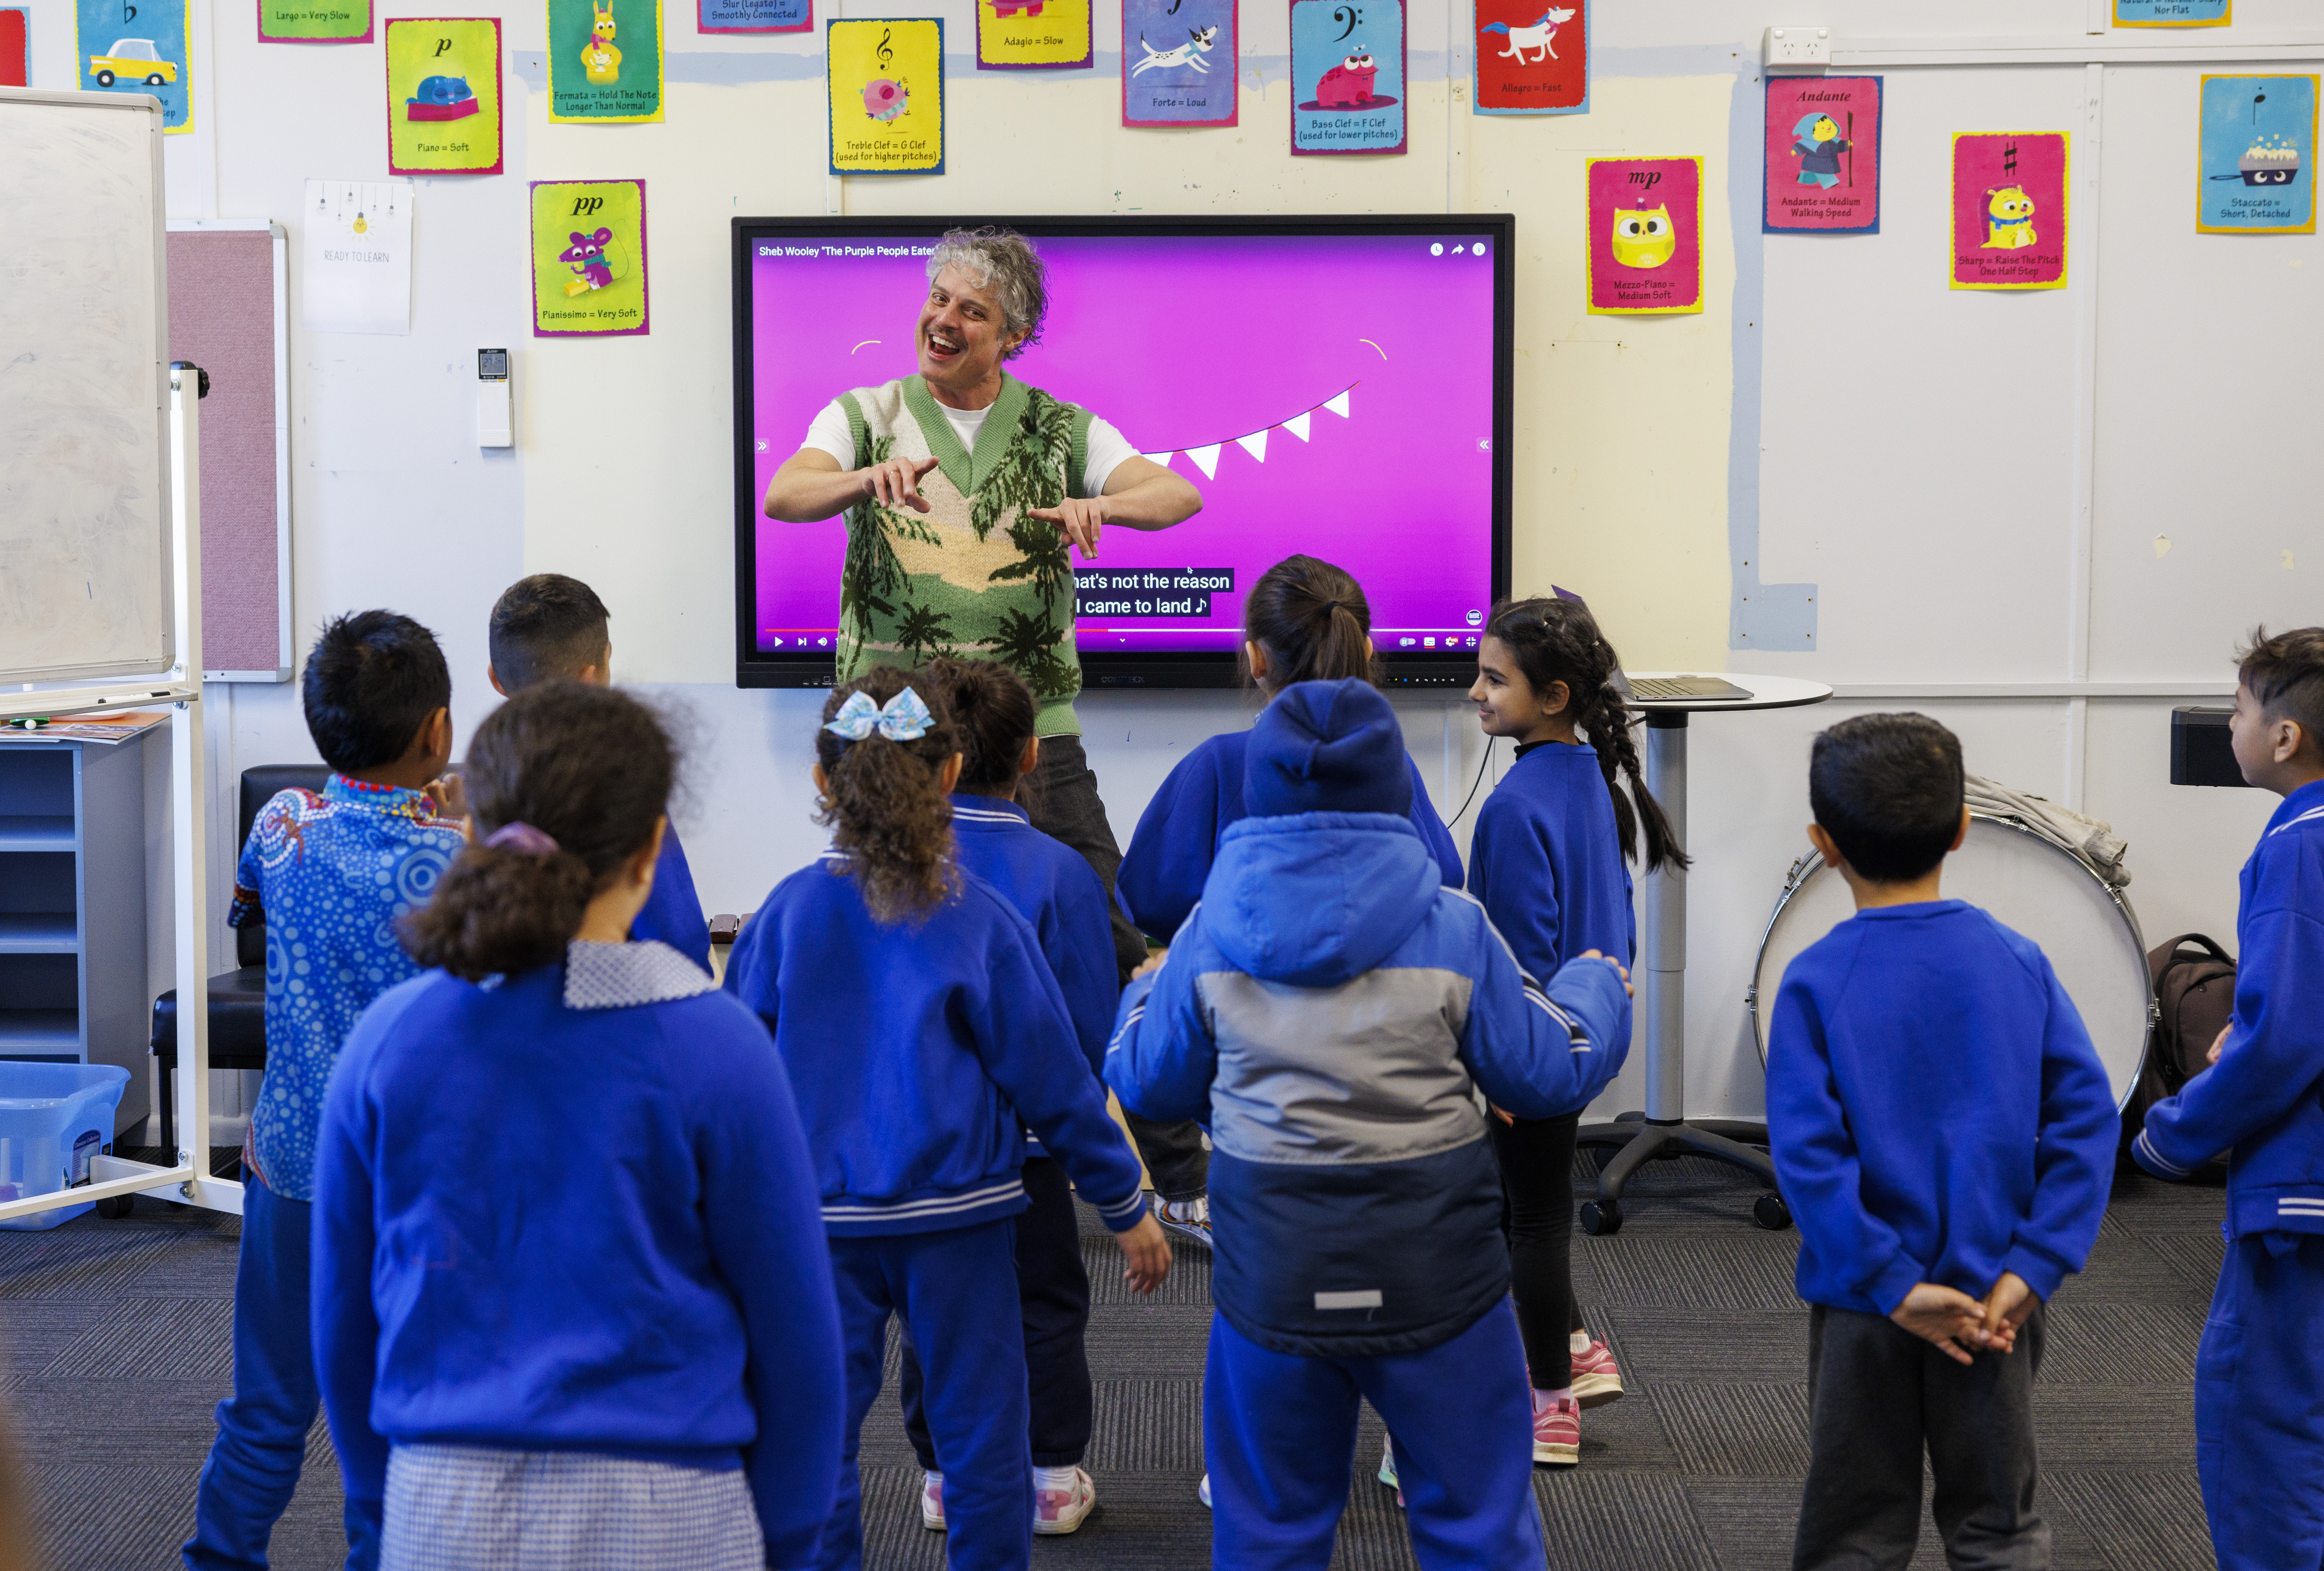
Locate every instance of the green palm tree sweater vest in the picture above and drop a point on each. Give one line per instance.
(971, 577)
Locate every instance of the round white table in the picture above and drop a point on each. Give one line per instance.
(1659, 979)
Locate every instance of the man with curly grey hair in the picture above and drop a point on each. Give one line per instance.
(964, 491)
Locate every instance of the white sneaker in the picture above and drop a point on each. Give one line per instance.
(1189, 1219)
(932, 1502)
(1061, 1511)
(1205, 1491)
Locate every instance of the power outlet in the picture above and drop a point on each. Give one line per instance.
(1798, 48)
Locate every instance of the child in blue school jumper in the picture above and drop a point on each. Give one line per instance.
(1945, 1134)
(2259, 1375)
(1054, 889)
(925, 1033)
(329, 873)
(1333, 1012)
(549, 628)
(1549, 861)
(1304, 621)
(572, 1305)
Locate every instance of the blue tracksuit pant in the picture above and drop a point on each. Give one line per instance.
(1279, 1435)
(2259, 1405)
(957, 1290)
(254, 1464)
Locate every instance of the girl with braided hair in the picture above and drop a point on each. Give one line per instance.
(1548, 862)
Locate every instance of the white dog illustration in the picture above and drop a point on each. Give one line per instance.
(1190, 53)
(1539, 36)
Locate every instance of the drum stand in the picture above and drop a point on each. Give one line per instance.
(1663, 1130)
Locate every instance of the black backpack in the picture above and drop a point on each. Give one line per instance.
(2194, 998)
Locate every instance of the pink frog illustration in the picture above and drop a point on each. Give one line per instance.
(1348, 84)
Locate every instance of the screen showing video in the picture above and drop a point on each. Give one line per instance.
(1330, 393)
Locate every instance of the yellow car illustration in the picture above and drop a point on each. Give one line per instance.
(132, 59)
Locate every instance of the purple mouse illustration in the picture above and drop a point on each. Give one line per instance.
(587, 256)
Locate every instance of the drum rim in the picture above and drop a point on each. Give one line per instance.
(1813, 862)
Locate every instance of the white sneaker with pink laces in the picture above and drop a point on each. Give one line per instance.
(1556, 1430)
(932, 1501)
(1061, 1511)
(1597, 1378)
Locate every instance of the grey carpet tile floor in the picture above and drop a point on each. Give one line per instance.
(114, 1350)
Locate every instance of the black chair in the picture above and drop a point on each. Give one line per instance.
(237, 999)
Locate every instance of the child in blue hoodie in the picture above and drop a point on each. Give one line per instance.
(1304, 621)
(329, 873)
(1549, 861)
(550, 627)
(1333, 1012)
(1945, 1134)
(2259, 1376)
(925, 1033)
(572, 1306)
(1054, 889)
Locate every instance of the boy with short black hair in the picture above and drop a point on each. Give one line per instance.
(550, 628)
(330, 873)
(2259, 1374)
(1944, 1134)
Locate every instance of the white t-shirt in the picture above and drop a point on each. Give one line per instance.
(1105, 451)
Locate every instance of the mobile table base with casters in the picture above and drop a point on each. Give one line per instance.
(1663, 1131)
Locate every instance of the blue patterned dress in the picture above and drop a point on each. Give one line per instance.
(329, 874)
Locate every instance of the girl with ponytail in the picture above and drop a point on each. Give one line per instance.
(571, 1283)
(1304, 621)
(1548, 862)
(925, 1033)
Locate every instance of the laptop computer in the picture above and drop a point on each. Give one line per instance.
(1663, 689)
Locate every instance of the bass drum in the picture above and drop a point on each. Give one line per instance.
(2030, 884)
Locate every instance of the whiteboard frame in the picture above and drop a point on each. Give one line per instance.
(147, 105)
(282, 661)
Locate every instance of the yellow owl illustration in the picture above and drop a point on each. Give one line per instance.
(1644, 236)
(2008, 219)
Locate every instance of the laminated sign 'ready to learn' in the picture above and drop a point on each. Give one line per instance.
(589, 259)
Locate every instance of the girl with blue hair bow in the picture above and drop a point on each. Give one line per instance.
(925, 1034)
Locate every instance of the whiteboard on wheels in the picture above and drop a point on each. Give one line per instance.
(84, 388)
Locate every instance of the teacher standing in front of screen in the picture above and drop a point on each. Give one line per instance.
(962, 487)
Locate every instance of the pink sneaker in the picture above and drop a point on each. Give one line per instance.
(1597, 1378)
(1061, 1511)
(932, 1501)
(1557, 1432)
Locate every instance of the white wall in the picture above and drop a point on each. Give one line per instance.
(1835, 416)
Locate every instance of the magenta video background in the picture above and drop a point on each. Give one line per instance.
(1182, 342)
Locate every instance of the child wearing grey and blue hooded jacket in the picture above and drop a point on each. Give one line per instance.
(1334, 1014)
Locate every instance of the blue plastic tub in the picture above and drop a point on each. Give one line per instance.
(53, 1118)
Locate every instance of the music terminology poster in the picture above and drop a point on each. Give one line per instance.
(2009, 210)
(1822, 156)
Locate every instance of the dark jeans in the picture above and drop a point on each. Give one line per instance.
(1063, 800)
(1536, 1156)
(1052, 1295)
(254, 1462)
(1877, 1395)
